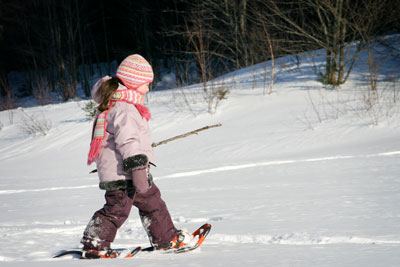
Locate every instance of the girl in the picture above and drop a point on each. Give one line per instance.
(121, 148)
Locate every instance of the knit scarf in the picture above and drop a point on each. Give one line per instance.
(99, 127)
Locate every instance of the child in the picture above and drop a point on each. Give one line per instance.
(121, 148)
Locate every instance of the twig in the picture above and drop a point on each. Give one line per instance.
(179, 136)
(185, 135)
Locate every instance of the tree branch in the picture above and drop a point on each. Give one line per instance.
(185, 134)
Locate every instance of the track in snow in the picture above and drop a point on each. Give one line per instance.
(219, 169)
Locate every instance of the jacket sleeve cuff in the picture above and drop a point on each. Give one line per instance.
(135, 162)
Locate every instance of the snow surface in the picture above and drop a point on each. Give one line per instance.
(302, 177)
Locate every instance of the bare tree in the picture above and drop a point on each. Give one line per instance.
(3, 72)
(267, 50)
(366, 25)
(224, 26)
(7, 101)
(328, 24)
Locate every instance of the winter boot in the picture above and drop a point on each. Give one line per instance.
(96, 254)
(182, 239)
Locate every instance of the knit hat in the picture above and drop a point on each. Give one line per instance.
(135, 71)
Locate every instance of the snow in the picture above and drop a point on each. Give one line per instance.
(302, 177)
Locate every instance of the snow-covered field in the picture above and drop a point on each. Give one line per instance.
(302, 177)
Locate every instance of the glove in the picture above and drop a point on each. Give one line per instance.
(142, 180)
(139, 166)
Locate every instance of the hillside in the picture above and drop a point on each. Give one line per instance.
(305, 176)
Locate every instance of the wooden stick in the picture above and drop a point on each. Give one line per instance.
(178, 137)
(185, 134)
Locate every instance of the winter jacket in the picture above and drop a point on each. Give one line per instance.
(126, 146)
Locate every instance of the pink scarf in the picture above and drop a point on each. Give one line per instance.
(99, 127)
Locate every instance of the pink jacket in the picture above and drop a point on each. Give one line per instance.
(127, 137)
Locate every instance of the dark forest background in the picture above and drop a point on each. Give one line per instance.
(60, 44)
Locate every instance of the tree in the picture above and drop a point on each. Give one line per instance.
(329, 24)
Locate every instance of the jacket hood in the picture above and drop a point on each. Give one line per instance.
(96, 87)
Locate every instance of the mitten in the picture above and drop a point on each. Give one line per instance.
(138, 166)
(140, 179)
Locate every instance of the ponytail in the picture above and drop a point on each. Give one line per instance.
(106, 92)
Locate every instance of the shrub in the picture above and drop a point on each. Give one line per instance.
(33, 124)
(90, 109)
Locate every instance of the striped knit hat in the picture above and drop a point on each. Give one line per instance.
(135, 71)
